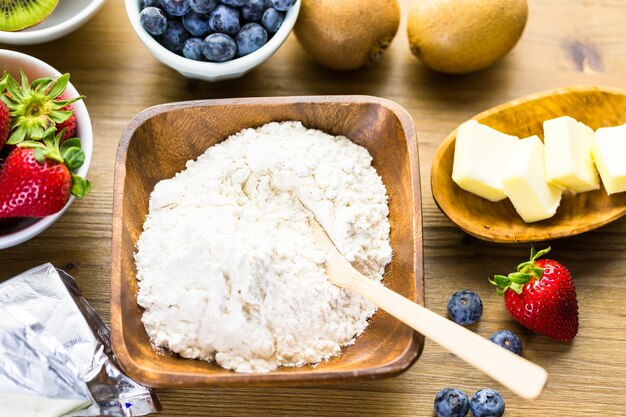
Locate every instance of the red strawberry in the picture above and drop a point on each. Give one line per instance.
(5, 123)
(541, 296)
(36, 178)
(35, 107)
(69, 125)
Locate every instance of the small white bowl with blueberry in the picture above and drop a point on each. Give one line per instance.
(213, 40)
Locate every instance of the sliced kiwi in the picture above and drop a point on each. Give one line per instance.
(21, 14)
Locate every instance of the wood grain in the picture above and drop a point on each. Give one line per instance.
(156, 146)
(524, 117)
(565, 43)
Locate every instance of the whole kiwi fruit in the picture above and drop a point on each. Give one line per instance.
(347, 34)
(460, 36)
(20, 14)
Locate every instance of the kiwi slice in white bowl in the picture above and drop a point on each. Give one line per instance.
(20, 14)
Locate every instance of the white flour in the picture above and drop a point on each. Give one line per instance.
(228, 267)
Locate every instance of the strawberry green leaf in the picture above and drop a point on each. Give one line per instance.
(32, 144)
(59, 86)
(14, 88)
(70, 143)
(74, 158)
(40, 82)
(37, 132)
(537, 272)
(519, 277)
(60, 116)
(539, 254)
(516, 287)
(24, 78)
(40, 155)
(80, 186)
(17, 136)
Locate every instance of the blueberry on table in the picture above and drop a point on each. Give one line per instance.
(203, 6)
(487, 403)
(149, 3)
(234, 3)
(253, 10)
(465, 307)
(174, 37)
(507, 340)
(153, 20)
(272, 19)
(251, 37)
(451, 402)
(224, 19)
(219, 47)
(282, 5)
(197, 24)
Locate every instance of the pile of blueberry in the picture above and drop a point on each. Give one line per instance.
(213, 30)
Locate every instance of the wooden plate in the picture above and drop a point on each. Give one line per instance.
(156, 145)
(499, 222)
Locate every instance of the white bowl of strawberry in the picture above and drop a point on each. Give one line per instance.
(46, 143)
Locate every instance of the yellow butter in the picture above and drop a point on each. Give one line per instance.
(525, 181)
(609, 154)
(478, 159)
(568, 148)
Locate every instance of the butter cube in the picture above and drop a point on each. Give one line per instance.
(525, 181)
(479, 159)
(609, 153)
(568, 148)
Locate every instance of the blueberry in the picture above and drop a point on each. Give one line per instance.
(451, 402)
(218, 47)
(174, 36)
(203, 6)
(272, 19)
(507, 340)
(253, 10)
(251, 37)
(192, 49)
(465, 307)
(176, 7)
(197, 24)
(224, 19)
(149, 3)
(282, 5)
(233, 3)
(153, 20)
(487, 403)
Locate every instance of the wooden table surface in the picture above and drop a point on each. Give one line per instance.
(565, 43)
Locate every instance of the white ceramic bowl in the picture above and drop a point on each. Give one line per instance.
(34, 68)
(212, 71)
(66, 18)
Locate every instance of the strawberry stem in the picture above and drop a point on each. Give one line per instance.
(35, 107)
(526, 271)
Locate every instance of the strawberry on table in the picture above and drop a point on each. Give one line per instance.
(36, 178)
(541, 296)
(35, 107)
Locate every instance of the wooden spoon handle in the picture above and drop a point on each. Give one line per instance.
(521, 376)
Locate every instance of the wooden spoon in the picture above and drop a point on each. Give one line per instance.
(499, 222)
(514, 372)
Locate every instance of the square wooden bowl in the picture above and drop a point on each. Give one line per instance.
(156, 145)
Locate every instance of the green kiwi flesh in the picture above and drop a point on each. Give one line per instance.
(21, 14)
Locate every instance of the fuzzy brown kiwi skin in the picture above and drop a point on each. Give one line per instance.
(33, 23)
(343, 35)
